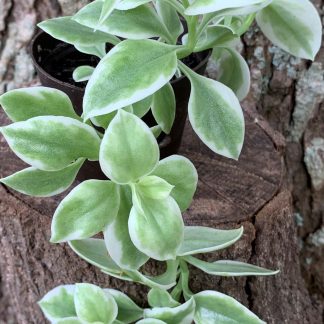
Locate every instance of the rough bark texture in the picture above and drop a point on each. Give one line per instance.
(277, 181)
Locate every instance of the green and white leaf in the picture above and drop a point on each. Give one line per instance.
(198, 239)
(170, 18)
(161, 298)
(93, 305)
(232, 70)
(215, 115)
(164, 107)
(107, 8)
(51, 143)
(130, 4)
(179, 172)
(129, 150)
(118, 79)
(128, 311)
(150, 321)
(26, 103)
(117, 239)
(38, 183)
(158, 231)
(94, 251)
(142, 107)
(85, 211)
(82, 73)
(154, 187)
(227, 268)
(214, 307)
(141, 22)
(58, 303)
(69, 320)
(293, 25)
(68, 30)
(98, 50)
(200, 7)
(182, 314)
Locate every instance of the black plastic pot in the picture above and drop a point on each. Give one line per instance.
(55, 61)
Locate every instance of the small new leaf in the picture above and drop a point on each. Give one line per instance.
(161, 298)
(82, 73)
(154, 187)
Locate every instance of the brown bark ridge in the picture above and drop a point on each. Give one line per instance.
(254, 192)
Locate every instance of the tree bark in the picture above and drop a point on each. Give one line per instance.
(276, 181)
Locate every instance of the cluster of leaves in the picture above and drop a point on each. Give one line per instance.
(139, 208)
(86, 303)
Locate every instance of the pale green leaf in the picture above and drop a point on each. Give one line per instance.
(51, 143)
(215, 115)
(150, 321)
(161, 298)
(129, 150)
(128, 311)
(180, 173)
(107, 8)
(69, 320)
(198, 239)
(85, 211)
(117, 239)
(232, 71)
(143, 106)
(164, 107)
(158, 231)
(82, 73)
(199, 7)
(68, 30)
(104, 120)
(293, 25)
(58, 303)
(38, 183)
(156, 130)
(130, 4)
(214, 307)
(118, 79)
(227, 268)
(170, 18)
(92, 304)
(26, 103)
(96, 49)
(182, 314)
(154, 187)
(139, 23)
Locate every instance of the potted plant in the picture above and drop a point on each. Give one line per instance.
(139, 209)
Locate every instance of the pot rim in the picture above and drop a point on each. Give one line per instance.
(76, 88)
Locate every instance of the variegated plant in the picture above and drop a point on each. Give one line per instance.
(138, 209)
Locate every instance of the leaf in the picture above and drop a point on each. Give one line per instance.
(68, 30)
(158, 232)
(117, 239)
(170, 18)
(150, 321)
(58, 303)
(232, 71)
(293, 25)
(164, 107)
(85, 211)
(142, 107)
(38, 183)
(161, 298)
(69, 320)
(156, 131)
(129, 150)
(92, 304)
(215, 36)
(121, 75)
(214, 307)
(51, 143)
(199, 7)
(128, 311)
(98, 50)
(227, 268)
(82, 73)
(179, 172)
(94, 251)
(107, 8)
(131, 4)
(182, 314)
(23, 104)
(198, 239)
(215, 115)
(139, 23)
(154, 187)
